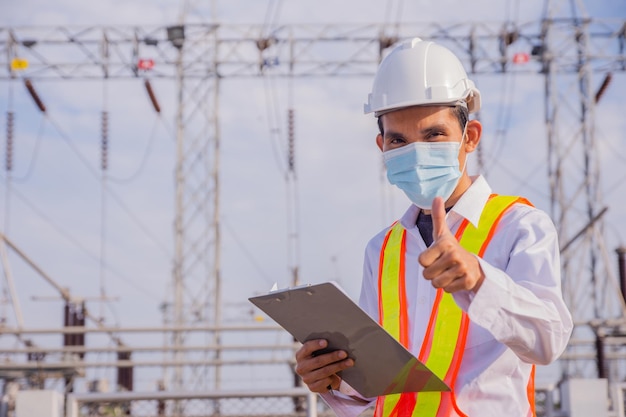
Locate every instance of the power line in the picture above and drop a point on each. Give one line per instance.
(117, 199)
(82, 247)
(274, 122)
(34, 155)
(248, 254)
(135, 173)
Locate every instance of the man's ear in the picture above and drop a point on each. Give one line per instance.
(379, 141)
(474, 132)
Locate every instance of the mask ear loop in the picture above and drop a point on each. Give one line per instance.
(461, 145)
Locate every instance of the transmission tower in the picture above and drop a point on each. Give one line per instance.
(590, 286)
(199, 56)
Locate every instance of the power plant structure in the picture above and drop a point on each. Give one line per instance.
(192, 349)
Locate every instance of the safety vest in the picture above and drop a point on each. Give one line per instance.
(444, 342)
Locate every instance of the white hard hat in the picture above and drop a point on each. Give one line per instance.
(418, 72)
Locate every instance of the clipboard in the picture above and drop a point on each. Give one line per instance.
(382, 365)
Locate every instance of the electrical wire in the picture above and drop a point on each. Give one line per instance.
(524, 182)
(284, 155)
(271, 17)
(142, 163)
(615, 152)
(72, 146)
(33, 159)
(117, 199)
(271, 99)
(247, 253)
(82, 247)
(503, 119)
(398, 15)
(512, 11)
(292, 192)
(274, 122)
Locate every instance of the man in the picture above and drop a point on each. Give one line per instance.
(467, 280)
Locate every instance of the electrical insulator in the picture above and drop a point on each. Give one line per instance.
(105, 140)
(603, 87)
(291, 139)
(34, 95)
(153, 99)
(9, 153)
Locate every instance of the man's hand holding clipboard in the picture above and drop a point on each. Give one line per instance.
(355, 347)
(319, 371)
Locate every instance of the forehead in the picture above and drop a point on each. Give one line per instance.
(420, 117)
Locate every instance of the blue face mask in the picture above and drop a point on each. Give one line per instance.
(424, 170)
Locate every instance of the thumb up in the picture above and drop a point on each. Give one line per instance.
(446, 263)
(438, 214)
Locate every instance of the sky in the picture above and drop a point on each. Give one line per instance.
(52, 206)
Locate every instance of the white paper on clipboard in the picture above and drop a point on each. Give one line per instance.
(323, 311)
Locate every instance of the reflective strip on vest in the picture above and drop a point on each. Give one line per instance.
(444, 342)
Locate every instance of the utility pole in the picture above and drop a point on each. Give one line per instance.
(176, 35)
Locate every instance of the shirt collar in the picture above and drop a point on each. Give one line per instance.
(469, 206)
(473, 200)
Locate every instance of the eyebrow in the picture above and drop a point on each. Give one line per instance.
(438, 127)
(390, 134)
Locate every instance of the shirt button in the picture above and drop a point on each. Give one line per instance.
(421, 300)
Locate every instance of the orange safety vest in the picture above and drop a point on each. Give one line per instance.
(444, 342)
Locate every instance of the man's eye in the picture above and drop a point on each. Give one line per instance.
(435, 134)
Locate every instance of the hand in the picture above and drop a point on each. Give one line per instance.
(319, 372)
(446, 264)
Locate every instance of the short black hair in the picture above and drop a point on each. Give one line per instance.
(459, 111)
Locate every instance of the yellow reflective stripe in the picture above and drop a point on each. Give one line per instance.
(390, 296)
(390, 319)
(443, 347)
(389, 402)
(445, 335)
(473, 238)
(427, 404)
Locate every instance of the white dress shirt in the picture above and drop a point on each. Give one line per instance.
(517, 317)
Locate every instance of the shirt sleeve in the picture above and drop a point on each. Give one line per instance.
(521, 303)
(346, 402)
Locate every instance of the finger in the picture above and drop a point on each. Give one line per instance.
(335, 382)
(312, 364)
(457, 284)
(319, 379)
(438, 213)
(309, 347)
(459, 275)
(446, 280)
(441, 258)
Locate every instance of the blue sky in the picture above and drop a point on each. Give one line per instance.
(342, 192)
